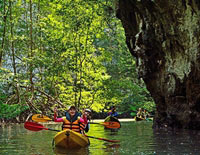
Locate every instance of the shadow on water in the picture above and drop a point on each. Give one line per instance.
(136, 138)
(177, 141)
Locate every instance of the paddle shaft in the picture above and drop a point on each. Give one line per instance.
(94, 123)
(108, 140)
(51, 129)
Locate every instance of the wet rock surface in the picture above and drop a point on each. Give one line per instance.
(163, 37)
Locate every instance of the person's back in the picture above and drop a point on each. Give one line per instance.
(140, 113)
(113, 112)
(146, 114)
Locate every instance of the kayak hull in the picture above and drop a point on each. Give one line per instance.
(111, 119)
(70, 139)
(142, 119)
(138, 119)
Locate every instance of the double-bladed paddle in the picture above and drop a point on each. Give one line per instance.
(38, 127)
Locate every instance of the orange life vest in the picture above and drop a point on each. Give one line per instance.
(75, 126)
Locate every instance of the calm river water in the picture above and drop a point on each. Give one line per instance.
(136, 138)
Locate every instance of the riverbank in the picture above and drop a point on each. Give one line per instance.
(52, 122)
(97, 120)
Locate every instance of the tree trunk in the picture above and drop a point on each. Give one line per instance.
(163, 36)
(31, 52)
(4, 32)
(13, 52)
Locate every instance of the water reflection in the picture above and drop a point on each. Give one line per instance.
(61, 151)
(136, 138)
(177, 141)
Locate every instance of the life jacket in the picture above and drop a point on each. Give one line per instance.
(113, 113)
(73, 124)
(140, 114)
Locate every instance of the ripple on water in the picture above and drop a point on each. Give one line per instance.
(136, 138)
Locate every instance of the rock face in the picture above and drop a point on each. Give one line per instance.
(164, 37)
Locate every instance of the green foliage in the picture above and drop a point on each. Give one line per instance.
(79, 57)
(149, 106)
(133, 110)
(138, 98)
(3, 97)
(11, 111)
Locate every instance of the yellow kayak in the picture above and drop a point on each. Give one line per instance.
(142, 119)
(70, 139)
(138, 119)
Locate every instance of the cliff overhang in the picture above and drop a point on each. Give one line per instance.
(164, 37)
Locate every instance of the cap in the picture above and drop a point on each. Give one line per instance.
(88, 110)
(72, 107)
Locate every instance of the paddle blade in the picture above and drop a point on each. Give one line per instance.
(111, 125)
(40, 118)
(37, 127)
(33, 126)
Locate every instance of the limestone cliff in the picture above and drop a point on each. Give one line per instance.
(163, 36)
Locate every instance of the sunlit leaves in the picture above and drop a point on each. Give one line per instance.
(80, 55)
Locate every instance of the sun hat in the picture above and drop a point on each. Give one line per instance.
(88, 110)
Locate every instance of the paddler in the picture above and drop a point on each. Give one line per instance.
(140, 113)
(72, 120)
(113, 112)
(86, 117)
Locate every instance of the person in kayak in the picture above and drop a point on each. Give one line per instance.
(140, 113)
(86, 117)
(146, 114)
(113, 112)
(72, 120)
